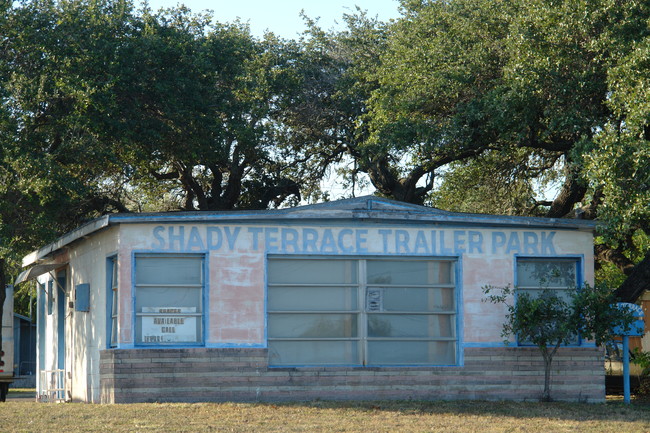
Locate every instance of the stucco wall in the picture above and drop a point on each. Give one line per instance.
(85, 332)
(88, 265)
(237, 259)
(236, 314)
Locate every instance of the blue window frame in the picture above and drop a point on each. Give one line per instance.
(537, 274)
(112, 301)
(169, 296)
(361, 311)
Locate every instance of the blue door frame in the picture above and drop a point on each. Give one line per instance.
(61, 320)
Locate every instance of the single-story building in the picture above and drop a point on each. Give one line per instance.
(365, 298)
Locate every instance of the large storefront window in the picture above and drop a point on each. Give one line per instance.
(361, 311)
(169, 298)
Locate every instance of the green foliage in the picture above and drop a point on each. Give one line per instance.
(642, 359)
(530, 81)
(53, 63)
(497, 182)
(484, 105)
(596, 313)
(130, 106)
(552, 319)
(107, 108)
(622, 160)
(470, 105)
(325, 113)
(609, 275)
(545, 320)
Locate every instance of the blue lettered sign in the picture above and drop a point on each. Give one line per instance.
(344, 240)
(637, 328)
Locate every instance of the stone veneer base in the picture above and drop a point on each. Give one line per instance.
(243, 374)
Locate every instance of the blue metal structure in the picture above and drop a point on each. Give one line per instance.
(636, 329)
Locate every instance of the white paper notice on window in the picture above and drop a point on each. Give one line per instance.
(374, 300)
(169, 325)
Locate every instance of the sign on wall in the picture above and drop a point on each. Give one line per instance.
(168, 325)
(307, 240)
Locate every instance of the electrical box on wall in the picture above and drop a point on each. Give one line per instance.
(82, 297)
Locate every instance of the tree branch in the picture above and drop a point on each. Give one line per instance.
(614, 256)
(572, 192)
(637, 281)
(165, 176)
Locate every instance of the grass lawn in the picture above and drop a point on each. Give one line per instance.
(318, 416)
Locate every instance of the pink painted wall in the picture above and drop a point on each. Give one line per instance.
(237, 298)
(237, 265)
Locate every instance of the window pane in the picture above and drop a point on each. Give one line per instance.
(50, 297)
(166, 314)
(563, 294)
(414, 326)
(168, 297)
(535, 276)
(313, 353)
(112, 287)
(114, 332)
(169, 270)
(312, 271)
(114, 302)
(114, 317)
(114, 277)
(406, 299)
(413, 272)
(546, 273)
(312, 325)
(312, 298)
(411, 352)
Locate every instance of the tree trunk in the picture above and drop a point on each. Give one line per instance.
(388, 182)
(636, 282)
(548, 359)
(572, 192)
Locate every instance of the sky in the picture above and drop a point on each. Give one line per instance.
(282, 17)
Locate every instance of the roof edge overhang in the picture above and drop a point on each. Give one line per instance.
(378, 216)
(366, 209)
(80, 232)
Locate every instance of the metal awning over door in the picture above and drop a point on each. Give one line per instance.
(35, 271)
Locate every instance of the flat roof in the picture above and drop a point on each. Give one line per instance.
(367, 208)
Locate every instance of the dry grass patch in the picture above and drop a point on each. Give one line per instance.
(465, 416)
